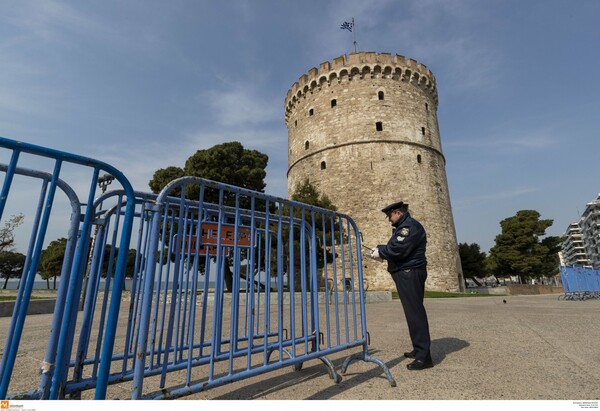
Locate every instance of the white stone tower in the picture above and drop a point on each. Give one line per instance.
(363, 129)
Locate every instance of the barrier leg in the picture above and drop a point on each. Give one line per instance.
(330, 367)
(365, 357)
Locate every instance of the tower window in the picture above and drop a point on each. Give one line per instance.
(380, 95)
(306, 145)
(295, 123)
(379, 126)
(423, 130)
(323, 165)
(333, 103)
(426, 107)
(311, 112)
(419, 158)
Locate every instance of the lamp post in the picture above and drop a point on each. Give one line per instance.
(103, 183)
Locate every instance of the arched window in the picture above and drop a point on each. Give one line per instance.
(423, 130)
(333, 103)
(380, 95)
(311, 111)
(379, 126)
(323, 165)
(306, 145)
(419, 158)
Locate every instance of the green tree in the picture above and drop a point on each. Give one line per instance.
(520, 251)
(132, 255)
(164, 176)
(130, 268)
(307, 193)
(228, 163)
(552, 245)
(7, 236)
(11, 265)
(106, 260)
(473, 261)
(51, 261)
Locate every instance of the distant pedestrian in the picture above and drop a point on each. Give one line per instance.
(405, 256)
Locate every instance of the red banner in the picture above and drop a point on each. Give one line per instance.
(209, 236)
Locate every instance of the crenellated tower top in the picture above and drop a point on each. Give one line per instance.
(359, 66)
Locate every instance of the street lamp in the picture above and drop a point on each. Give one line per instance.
(105, 181)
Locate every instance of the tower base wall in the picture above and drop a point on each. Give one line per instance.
(356, 188)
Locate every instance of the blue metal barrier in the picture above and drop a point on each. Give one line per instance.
(54, 368)
(223, 285)
(278, 254)
(580, 283)
(24, 292)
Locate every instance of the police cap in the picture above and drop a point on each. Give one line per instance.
(395, 206)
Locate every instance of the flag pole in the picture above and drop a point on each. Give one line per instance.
(354, 33)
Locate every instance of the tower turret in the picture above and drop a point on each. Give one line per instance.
(363, 129)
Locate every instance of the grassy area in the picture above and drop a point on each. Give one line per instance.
(443, 294)
(13, 298)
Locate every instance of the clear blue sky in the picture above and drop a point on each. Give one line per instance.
(144, 84)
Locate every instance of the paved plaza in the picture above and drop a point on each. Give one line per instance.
(529, 348)
(485, 348)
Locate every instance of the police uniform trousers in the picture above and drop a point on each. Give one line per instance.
(411, 289)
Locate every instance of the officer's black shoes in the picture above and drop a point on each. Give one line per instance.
(411, 354)
(419, 365)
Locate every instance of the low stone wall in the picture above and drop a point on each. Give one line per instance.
(517, 289)
(47, 306)
(527, 289)
(487, 290)
(35, 307)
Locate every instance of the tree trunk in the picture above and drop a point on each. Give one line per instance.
(5, 283)
(228, 276)
(298, 280)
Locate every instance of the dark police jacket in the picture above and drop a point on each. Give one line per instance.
(406, 247)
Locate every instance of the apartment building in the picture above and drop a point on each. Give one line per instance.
(590, 230)
(582, 239)
(573, 250)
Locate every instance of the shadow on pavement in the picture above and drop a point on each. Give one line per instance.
(316, 370)
(444, 346)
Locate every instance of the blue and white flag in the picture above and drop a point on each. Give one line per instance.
(346, 26)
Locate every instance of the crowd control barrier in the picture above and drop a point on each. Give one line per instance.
(580, 283)
(46, 187)
(161, 296)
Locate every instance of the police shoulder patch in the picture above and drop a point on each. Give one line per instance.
(404, 231)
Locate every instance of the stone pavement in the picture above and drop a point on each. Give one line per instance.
(529, 348)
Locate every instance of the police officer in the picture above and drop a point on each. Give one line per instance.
(405, 256)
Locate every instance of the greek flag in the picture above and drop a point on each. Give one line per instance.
(346, 26)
